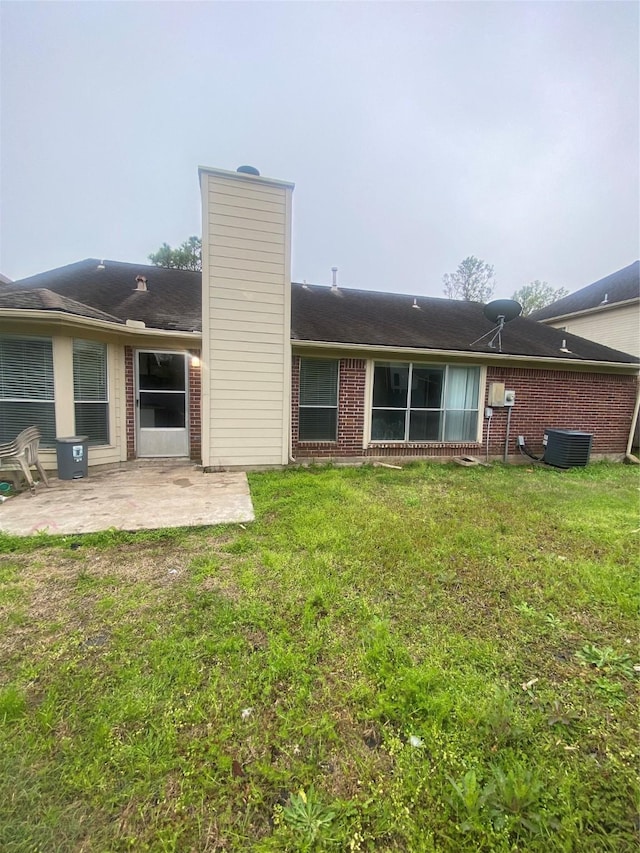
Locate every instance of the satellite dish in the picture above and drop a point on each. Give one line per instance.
(500, 311)
(507, 309)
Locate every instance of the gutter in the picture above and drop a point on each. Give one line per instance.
(468, 356)
(62, 318)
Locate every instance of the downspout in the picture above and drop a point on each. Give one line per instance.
(629, 457)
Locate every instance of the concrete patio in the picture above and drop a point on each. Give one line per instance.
(137, 496)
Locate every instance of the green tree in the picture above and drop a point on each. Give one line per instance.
(188, 256)
(537, 294)
(472, 281)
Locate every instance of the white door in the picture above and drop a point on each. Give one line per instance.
(161, 404)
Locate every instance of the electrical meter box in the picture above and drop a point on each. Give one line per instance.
(509, 398)
(496, 394)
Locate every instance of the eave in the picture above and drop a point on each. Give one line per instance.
(597, 309)
(64, 320)
(499, 359)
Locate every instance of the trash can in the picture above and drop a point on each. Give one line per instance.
(72, 457)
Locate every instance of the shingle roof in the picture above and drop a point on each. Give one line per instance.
(173, 299)
(620, 286)
(42, 299)
(356, 317)
(390, 320)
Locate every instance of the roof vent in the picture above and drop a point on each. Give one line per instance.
(334, 279)
(101, 265)
(141, 283)
(248, 170)
(415, 304)
(605, 301)
(563, 348)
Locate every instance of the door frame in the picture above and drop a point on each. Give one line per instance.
(136, 403)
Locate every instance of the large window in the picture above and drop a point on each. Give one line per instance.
(26, 387)
(90, 392)
(318, 413)
(424, 402)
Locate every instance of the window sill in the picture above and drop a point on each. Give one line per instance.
(327, 441)
(462, 443)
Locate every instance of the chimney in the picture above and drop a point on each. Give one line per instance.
(246, 318)
(141, 284)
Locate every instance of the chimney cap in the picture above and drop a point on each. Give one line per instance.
(248, 170)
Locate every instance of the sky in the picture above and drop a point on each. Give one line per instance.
(417, 134)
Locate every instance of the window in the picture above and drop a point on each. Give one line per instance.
(90, 391)
(26, 387)
(424, 402)
(318, 413)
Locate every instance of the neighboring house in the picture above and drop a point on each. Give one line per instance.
(238, 367)
(607, 311)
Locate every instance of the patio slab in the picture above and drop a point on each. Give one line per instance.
(142, 497)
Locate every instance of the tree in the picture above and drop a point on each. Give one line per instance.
(536, 295)
(188, 256)
(472, 281)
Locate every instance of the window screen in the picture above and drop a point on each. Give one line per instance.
(26, 387)
(318, 411)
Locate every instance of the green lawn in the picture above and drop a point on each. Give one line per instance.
(432, 659)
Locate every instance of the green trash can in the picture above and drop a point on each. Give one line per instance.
(72, 454)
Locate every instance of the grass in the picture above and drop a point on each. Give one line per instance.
(432, 659)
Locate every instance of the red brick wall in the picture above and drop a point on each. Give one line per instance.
(601, 404)
(351, 381)
(598, 403)
(195, 417)
(131, 402)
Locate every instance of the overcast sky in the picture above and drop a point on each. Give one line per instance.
(416, 133)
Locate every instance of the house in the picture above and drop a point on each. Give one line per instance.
(607, 311)
(238, 367)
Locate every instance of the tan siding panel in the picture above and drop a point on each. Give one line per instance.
(230, 240)
(618, 328)
(239, 253)
(225, 235)
(266, 204)
(259, 226)
(249, 358)
(246, 214)
(275, 266)
(246, 305)
(238, 339)
(248, 295)
(264, 400)
(254, 324)
(240, 191)
(221, 384)
(220, 275)
(239, 367)
(258, 442)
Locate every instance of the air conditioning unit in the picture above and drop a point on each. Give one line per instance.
(567, 448)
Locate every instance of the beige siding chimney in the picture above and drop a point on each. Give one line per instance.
(246, 319)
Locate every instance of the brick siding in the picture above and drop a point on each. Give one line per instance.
(601, 404)
(195, 417)
(131, 402)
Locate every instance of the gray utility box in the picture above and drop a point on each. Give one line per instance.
(567, 448)
(72, 457)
